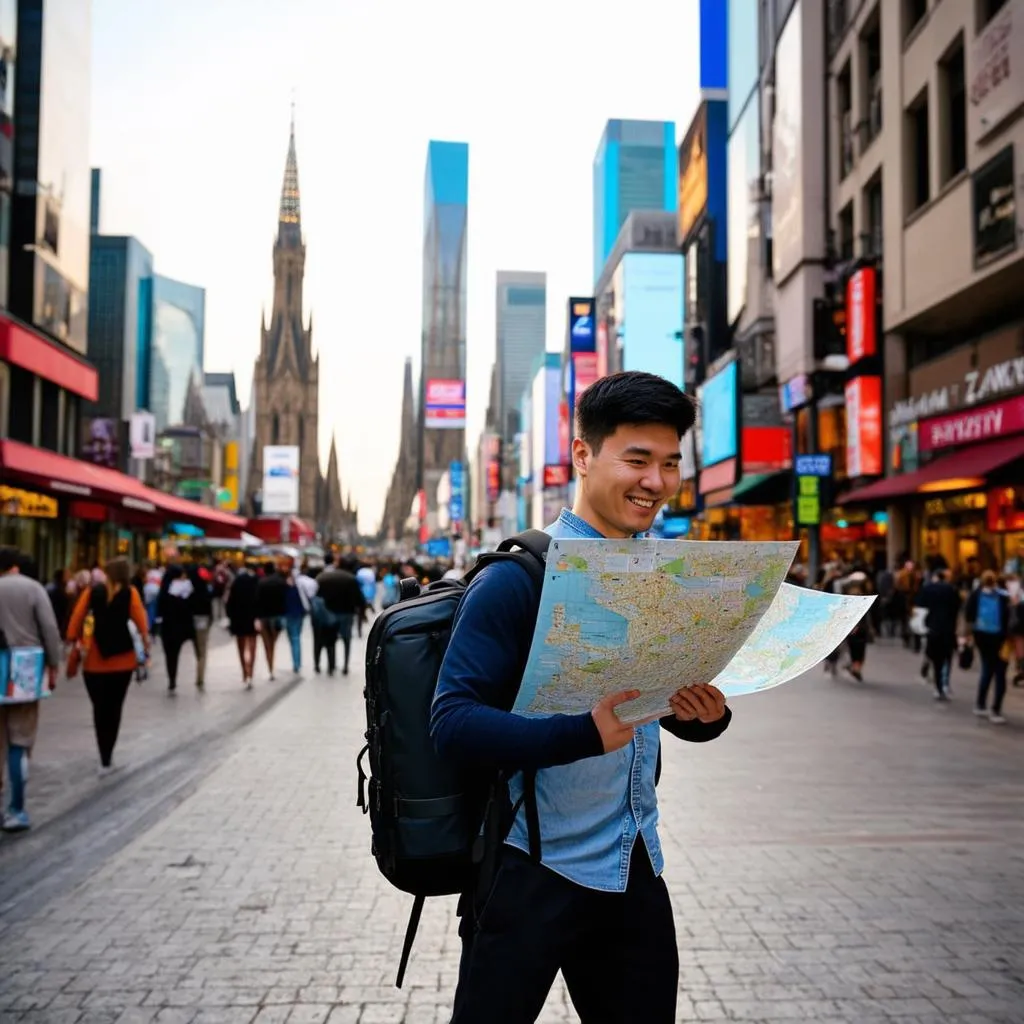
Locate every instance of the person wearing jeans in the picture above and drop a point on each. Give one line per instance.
(342, 600)
(988, 616)
(201, 603)
(110, 657)
(941, 600)
(294, 616)
(27, 619)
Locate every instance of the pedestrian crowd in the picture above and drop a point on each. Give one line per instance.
(939, 613)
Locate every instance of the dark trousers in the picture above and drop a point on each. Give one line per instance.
(939, 651)
(107, 691)
(172, 644)
(326, 640)
(616, 951)
(992, 667)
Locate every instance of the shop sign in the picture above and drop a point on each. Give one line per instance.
(995, 208)
(864, 426)
(21, 504)
(1005, 510)
(997, 71)
(814, 465)
(719, 477)
(556, 476)
(977, 385)
(996, 420)
(861, 315)
(808, 500)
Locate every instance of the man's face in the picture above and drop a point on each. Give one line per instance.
(633, 474)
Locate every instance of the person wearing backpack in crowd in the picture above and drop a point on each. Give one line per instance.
(579, 887)
(110, 657)
(27, 619)
(988, 617)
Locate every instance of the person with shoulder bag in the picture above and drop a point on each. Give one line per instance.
(101, 620)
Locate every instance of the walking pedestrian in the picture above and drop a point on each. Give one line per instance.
(988, 618)
(109, 655)
(174, 609)
(589, 899)
(240, 608)
(942, 602)
(339, 601)
(26, 620)
(271, 609)
(201, 606)
(296, 609)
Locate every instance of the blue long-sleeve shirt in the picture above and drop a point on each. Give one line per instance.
(487, 654)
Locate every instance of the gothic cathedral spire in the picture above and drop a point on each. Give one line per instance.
(290, 218)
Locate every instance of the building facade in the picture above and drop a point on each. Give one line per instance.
(926, 135)
(402, 490)
(176, 353)
(634, 169)
(286, 379)
(120, 275)
(521, 328)
(443, 348)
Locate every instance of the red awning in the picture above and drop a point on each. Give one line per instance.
(79, 479)
(963, 470)
(47, 359)
(268, 529)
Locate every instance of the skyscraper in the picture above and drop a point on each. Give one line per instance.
(443, 351)
(521, 312)
(179, 313)
(634, 169)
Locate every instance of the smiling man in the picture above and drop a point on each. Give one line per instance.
(578, 887)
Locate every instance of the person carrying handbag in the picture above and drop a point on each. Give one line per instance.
(107, 650)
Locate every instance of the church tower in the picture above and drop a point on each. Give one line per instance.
(287, 374)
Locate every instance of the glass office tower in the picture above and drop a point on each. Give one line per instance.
(635, 169)
(177, 350)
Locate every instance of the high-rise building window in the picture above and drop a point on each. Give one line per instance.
(913, 14)
(917, 142)
(871, 76)
(846, 233)
(953, 104)
(871, 237)
(49, 422)
(19, 416)
(987, 10)
(844, 104)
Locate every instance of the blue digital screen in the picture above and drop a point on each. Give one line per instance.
(718, 397)
(651, 316)
(814, 465)
(582, 337)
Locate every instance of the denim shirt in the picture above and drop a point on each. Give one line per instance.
(591, 811)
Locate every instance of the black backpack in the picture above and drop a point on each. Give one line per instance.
(433, 825)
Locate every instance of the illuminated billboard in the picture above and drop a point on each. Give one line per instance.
(651, 314)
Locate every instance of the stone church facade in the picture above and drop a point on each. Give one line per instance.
(286, 379)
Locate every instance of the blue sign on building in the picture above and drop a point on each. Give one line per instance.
(814, 465)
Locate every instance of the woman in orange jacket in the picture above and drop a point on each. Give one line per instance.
(99, 624)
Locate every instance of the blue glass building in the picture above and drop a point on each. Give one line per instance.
(443, 345)
(634, 169)
(120, 278)
(179, 312)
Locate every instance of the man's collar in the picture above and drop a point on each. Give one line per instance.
(580, 526)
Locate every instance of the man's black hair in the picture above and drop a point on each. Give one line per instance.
(9, 558)
(631, 398)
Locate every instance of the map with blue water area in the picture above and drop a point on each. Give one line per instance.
(649, 615)
(799, 629)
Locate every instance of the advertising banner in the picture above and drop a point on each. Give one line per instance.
(582, 337)
(142, 435)
(584, 371)
(693, 175)
(982, 424)
(280, 479)
(445, 405)
(556, 476)
(457, 485)
(861, 315)
(654, 313)
(864, 427)
(995, 207)
(718, 399)
(788, 190)
(100, 444)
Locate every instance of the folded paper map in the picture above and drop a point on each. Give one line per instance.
(799, 629)
(649, 615)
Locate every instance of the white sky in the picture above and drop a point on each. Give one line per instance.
(190, 111)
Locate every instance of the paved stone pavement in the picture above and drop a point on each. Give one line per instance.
(65, 760)
(845, 852)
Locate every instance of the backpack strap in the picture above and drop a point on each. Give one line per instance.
(410, 935)
(529, 800)
(532, 556)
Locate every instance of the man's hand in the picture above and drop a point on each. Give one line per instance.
(51, 678)
(614, 733)
(702, 703)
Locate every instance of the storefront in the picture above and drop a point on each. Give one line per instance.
(68, 513)
(956, 455)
